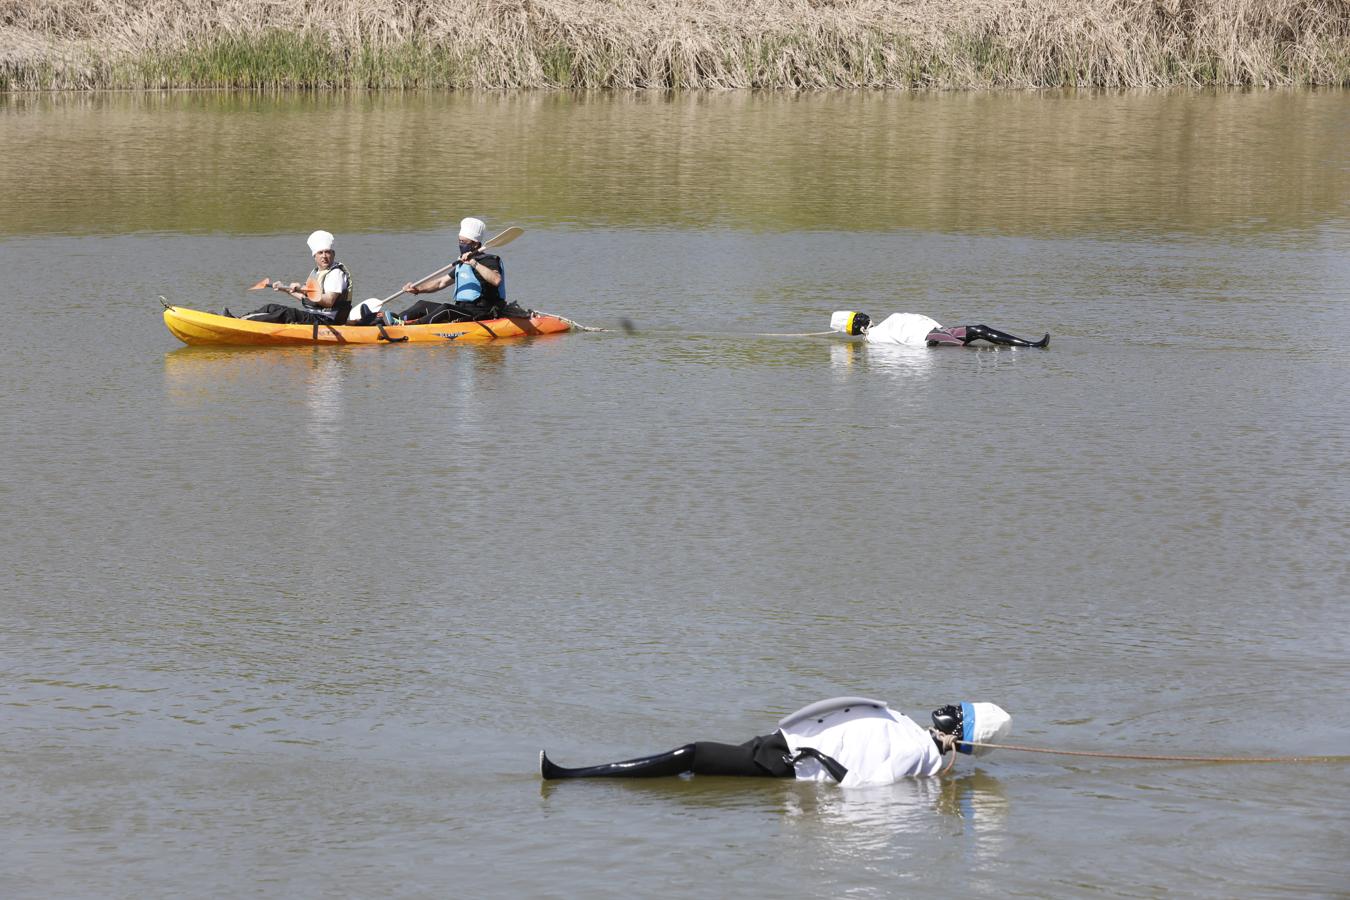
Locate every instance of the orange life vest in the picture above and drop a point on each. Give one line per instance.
(314, 285)
(314, 290)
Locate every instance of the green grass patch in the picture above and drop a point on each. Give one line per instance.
(269, 60)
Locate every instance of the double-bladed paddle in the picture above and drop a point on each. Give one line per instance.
(500, 240)
(274, 285)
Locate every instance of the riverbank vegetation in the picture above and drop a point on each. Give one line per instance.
(670, 44)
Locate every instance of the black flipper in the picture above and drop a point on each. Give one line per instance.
(673, 762)
(994, 336)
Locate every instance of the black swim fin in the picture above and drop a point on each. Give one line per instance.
(673, 762)
(994, 336)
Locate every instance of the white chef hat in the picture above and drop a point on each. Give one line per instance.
(472, 229)
(320, 240)
(984, 723)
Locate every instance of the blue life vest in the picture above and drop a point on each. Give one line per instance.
(469, 288)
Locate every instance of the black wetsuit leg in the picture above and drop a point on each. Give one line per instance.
(476, 312)
(424, 312)
(287, 315)
(672, 762)
(994, 336)
(761, 757)
(422, 309)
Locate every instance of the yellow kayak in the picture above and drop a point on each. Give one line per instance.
(197, 328)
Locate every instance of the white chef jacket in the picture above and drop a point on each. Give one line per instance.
(910, 329)
(876, 745)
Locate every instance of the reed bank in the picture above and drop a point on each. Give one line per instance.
(671, 44)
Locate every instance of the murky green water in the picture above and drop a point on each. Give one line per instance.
(298, 622)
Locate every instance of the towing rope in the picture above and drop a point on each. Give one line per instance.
(1156, 757)
(951, 762)
(570, 323)
(948, 742)
(794, 334)
(628, 327)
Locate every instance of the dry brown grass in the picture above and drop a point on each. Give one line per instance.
(672, 44)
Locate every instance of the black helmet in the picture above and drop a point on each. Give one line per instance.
(852, 323)
(948, 719)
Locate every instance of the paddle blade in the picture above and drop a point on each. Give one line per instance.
(265, 283)
(504, 238)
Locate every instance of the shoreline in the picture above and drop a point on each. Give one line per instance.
(669, 45)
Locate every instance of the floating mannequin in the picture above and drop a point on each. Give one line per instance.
(849, 740)
(914, 330)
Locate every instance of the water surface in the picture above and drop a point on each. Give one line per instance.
(297, 622)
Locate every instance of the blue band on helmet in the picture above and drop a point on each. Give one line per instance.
(967, 728)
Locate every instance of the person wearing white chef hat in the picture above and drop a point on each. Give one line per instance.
(916, 330)
(852, 741)
(326, 295)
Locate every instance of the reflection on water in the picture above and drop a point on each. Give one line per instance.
(323, 398)
(909, 365)
(477, 373)
(951, 831)
(194, 375)
(862, 821)
(1064, 163)
(977, 797)
(197, 374)
(861, 824)
(856, 822)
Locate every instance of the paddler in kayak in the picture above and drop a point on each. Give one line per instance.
(914, 330)
(852, 741)
(326, 293)
(479, 280)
